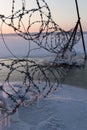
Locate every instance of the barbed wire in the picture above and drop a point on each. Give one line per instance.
(37, 79)
(48, 31)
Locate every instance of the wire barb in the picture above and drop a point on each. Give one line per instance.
(36, 78)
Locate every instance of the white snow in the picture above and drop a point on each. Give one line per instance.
(65, 109)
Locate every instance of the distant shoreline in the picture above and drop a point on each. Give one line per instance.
(85, 32)
(76, 76)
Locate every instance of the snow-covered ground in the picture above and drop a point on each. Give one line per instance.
(65, 109)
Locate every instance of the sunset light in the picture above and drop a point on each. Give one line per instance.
(43, 64)
(63, 13)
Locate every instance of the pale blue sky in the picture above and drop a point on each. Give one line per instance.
(63, 11)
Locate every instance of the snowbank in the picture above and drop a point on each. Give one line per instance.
(65, 109)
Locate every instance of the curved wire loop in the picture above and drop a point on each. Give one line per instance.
(48, 34)
(36, 79)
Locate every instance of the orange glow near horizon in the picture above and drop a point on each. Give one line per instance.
(35, 28)
(7, 30)
(64, 27)
(63, 13)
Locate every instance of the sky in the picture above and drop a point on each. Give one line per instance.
(63, 12)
